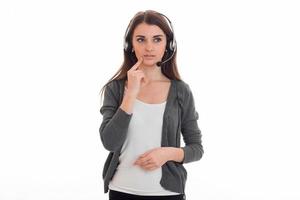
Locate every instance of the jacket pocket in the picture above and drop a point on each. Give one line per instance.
(182, 170)
(106, 164)
(183, 174)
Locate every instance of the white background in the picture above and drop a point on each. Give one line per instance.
(240, 58)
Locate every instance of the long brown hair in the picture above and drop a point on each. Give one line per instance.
(150, 17)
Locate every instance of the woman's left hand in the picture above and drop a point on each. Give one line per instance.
(153, 158)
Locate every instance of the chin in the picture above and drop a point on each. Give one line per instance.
(149, 63)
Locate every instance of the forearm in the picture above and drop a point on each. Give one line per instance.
(113, 130)
(175, 154)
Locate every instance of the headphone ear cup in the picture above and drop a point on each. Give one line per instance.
(125, 46)
(171, 45)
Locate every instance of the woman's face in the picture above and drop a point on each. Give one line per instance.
(149, 42)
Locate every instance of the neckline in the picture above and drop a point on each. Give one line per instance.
(169, 96)
(151, 104)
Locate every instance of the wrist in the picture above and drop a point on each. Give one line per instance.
(175, 154)
(130, 93)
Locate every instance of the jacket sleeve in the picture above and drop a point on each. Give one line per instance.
(114, 126)
(193, 149)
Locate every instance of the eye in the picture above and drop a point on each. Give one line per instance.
(140, 39)
(157, 39)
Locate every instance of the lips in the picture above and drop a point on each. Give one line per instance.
(149, 56)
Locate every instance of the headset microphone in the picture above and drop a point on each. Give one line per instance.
(159, 64)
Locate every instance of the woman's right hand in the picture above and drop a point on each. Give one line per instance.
(136, 78)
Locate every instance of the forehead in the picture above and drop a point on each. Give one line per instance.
(147, 30)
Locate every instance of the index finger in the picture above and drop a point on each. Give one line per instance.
(137, 64)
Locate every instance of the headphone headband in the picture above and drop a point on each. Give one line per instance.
(172, 44)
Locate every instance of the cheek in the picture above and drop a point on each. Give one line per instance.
(163, 51)
(137, 53)
(137, 48)
(163, 48)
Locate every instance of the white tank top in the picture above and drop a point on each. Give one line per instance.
(144, 133)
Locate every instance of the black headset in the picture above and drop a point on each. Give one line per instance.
(171, 46)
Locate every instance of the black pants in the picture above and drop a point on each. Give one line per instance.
(116, 195)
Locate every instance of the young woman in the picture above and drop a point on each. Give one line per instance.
(146, 109)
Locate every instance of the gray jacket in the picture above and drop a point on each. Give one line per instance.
(180, 117)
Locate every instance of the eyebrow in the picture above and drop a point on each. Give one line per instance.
(142, 36)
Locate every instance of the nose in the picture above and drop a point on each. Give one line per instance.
(149, 46)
